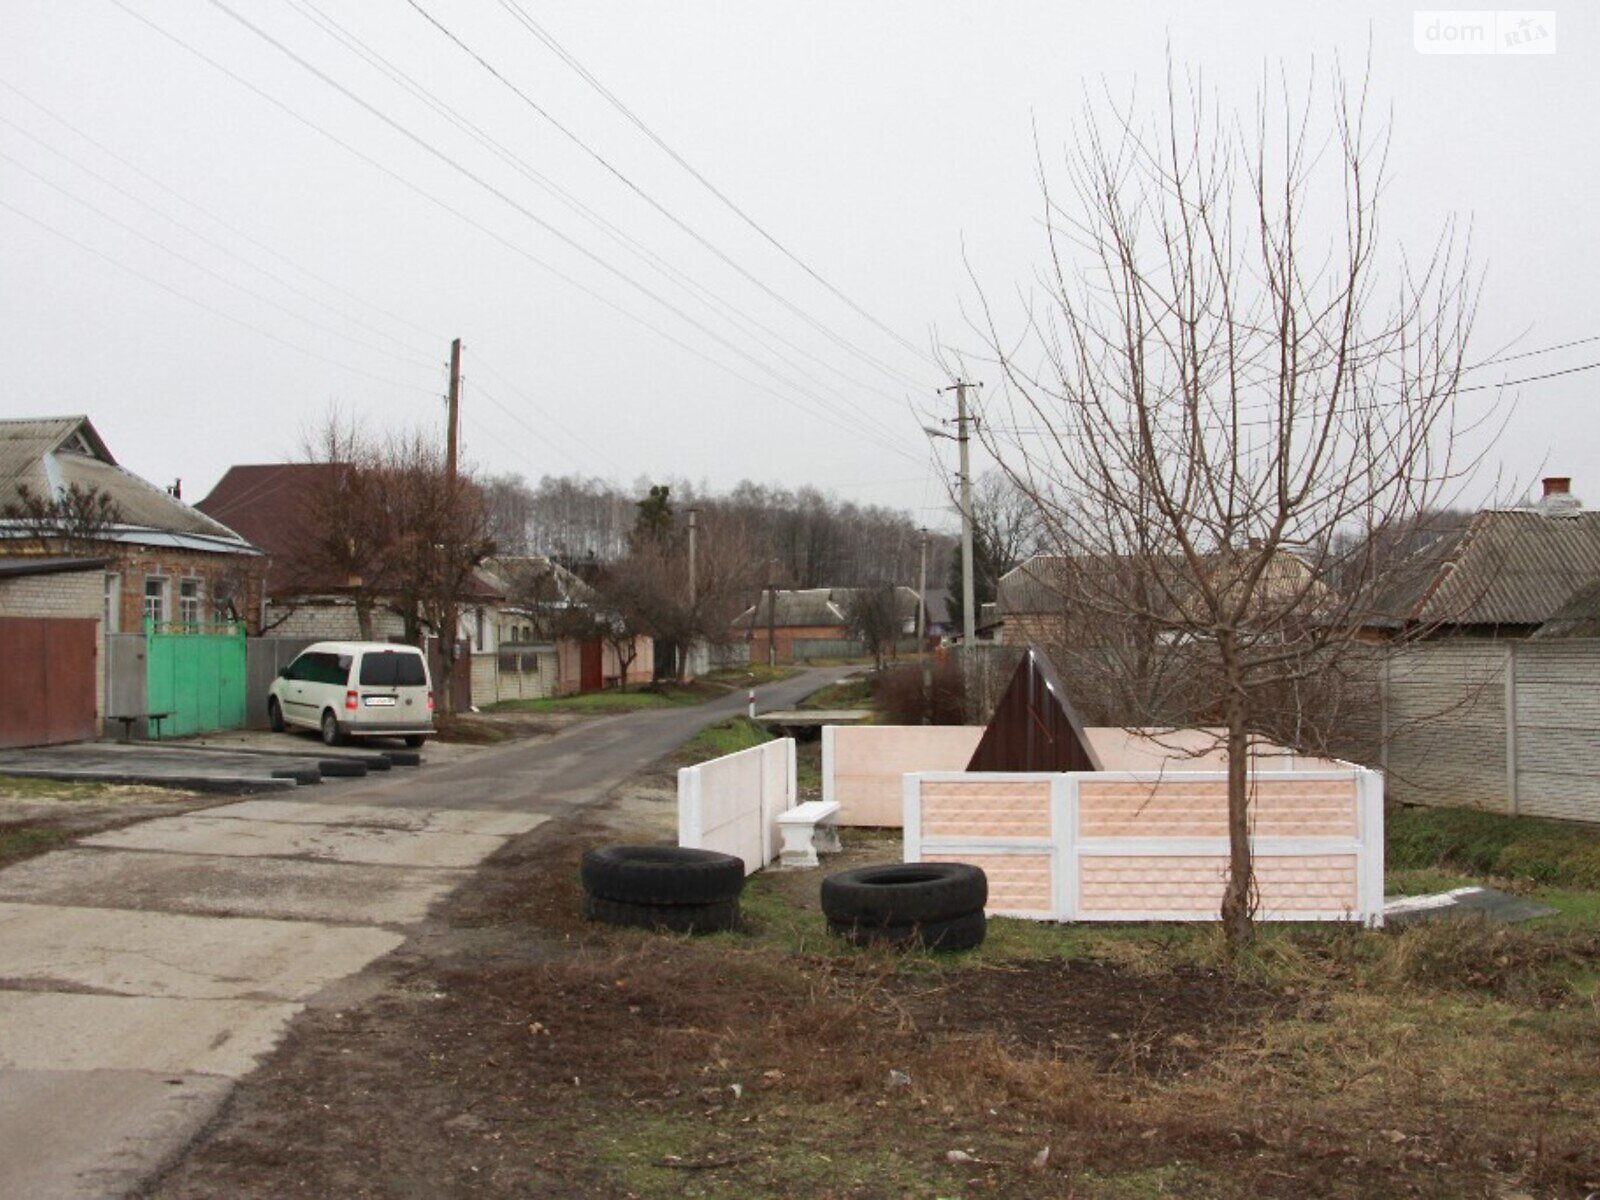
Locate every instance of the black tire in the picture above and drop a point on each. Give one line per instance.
(331, 735)
(403, 758)
(344, 768)
(674, 918)
(956, 933)
(274, 716)
(301, 775)
(416, 740)
(662, 875)
(904, 893)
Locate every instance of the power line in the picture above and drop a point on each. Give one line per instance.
(650, 200)
(725, 309)
(524, 211)
(188, 299)
(456, 212)
(208, 214)
(205, 270)
(583, 72)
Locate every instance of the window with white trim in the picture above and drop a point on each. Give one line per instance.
(189, 601)
(111, 615)
(155, 598)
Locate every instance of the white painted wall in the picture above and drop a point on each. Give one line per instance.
(731, 804)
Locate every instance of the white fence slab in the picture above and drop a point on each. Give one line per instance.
(731, 804)
(1153, 845)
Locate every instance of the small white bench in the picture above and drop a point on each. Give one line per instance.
(807, 828)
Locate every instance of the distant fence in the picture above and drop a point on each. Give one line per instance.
(732, 803)
(1509, 726)
(263, 658)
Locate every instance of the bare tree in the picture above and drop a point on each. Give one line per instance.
(871, 614)
(76, 519)
(347, 530)
(1219, 413)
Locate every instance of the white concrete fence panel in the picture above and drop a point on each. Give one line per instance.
(864, 766)
(1153, 845)
(731, 804)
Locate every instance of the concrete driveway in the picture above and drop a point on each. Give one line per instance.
(146, 969)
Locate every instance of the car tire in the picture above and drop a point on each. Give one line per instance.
(673, 918)
(415, 740)
(965, 932)
(662, 875)
(331, 734)
(275, 715)
(904, 893)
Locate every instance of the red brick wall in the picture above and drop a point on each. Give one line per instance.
(787, 636)
(138, 563)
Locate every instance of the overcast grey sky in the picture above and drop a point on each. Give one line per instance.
(877, 142)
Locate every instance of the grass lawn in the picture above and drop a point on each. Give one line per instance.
(847, 693)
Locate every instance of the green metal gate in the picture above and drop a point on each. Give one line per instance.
(197, 674)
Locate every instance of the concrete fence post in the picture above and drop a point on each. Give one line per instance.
(1512, 803)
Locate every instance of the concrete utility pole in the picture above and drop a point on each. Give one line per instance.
(969, 615)
(449, 633)
(694, 514)
(772, 615)
(922, 631)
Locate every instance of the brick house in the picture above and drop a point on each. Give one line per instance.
(165, 560)
(802, 621)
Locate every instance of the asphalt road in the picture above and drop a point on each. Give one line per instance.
(576, 766)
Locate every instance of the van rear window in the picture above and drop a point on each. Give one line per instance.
(388, 668)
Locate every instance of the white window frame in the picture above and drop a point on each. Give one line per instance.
(111, 611)
(163, 598)
(189, 605)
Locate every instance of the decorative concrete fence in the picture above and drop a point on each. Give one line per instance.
(732, 803)
(1153, 845)
(864, 766)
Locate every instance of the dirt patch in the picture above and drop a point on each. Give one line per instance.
(37, 816)
(1104, 1014)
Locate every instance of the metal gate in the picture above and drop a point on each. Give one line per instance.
(197, 674)
(49, 677)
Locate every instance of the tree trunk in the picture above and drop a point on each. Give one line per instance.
(448, 621)
(1238, 901)
(364, 618)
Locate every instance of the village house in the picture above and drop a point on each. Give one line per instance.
(809, 623)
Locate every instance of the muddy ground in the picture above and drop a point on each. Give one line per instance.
(510, 1049)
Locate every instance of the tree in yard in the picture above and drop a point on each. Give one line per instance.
(348, 528)
(871, 615)
(1221, 412)
(1006, 529)
(76, 519)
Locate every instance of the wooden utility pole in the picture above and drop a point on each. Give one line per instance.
(922, 632)
(772, 615)
(452, 438)
(451, 619)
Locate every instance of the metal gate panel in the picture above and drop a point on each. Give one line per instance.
(48, 665)
(197, 674)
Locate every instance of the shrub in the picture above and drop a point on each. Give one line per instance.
(899, 696)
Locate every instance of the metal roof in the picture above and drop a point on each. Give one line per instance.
(44, 564)
(819, 608)
(50, 454)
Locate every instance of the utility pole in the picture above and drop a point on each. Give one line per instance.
(772, 615)
(922, 631)
(451, 619)
(452, 438)
(694, 514)
(969, 616)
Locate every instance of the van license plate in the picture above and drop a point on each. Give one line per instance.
(379, 701)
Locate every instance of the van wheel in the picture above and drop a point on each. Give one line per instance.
(330, 730)
(415, 740)
(274, 716)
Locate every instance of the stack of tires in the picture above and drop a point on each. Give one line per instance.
(662, 887)
(935, 906)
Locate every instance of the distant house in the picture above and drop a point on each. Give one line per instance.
(166, 561)
(1508, 573)
(1035, 602)
(811, 623)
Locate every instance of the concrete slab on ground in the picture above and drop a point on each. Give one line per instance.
(110, 762)
(128, 953)
(220, 885)
(95, 1134)
(234, 837)
(67, 1031)
(414, 820)
(1482, 903)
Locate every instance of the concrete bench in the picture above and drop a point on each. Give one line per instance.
(807, 828)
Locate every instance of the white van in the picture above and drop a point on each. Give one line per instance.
(355, 689)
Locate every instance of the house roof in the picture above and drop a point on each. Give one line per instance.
(1518, 566)
(519, 577)
(818, 608)
(1043, 583)
(21, 565)
(264, 502)
(1579, 617)
(938, 602)
(50, 454)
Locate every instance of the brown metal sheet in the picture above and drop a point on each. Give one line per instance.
(1034, 727)
(48, 668)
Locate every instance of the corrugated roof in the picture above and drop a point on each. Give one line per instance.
(1579, 617)
(1044, 583)
(816, 608)
(51, 453)
(1508, 567)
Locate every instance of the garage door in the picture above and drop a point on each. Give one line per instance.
(49, 680)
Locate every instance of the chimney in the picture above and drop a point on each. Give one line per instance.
(1558, 500)
(176, 490)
